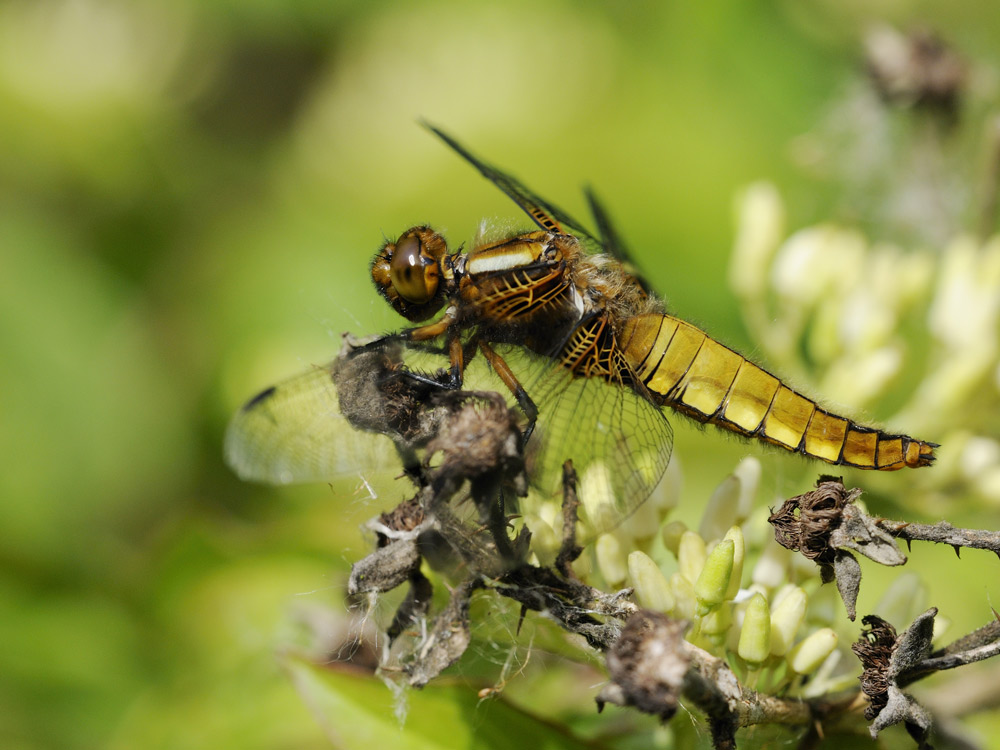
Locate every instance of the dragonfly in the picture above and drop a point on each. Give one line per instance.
(584, 347)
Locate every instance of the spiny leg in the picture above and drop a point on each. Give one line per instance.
(427, 333)
(420, 333)
(456, 371)
(503, 371)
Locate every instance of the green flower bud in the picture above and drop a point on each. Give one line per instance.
(808, 655)
(713, 582)
(739, 611)
(684, 599)
(691, 555)
(652, 590)
(786, 618)
(611, 559)
(755, 637)
(735, 535)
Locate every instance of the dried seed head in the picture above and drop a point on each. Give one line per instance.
(647, 664)
(805, 522)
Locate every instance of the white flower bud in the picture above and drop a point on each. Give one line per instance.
(978, 455)
(715, 625)
(671, 534)
(771, 570)
(652, 590)
(691, 555)
(786, 618)
(941, 626)
(720, 511)
(863, 376)
(544, 542)
(642, 525)
(739, 611)
(808, 655)
(684, 599)
(611, 559)
(748, 471)
(667, 493)
(816, 260)
(760, 226)
(966, 303)
(988, 484)
(597, 497)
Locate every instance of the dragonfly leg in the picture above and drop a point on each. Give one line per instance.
(420, 333)
(455, 376)
(503, 371)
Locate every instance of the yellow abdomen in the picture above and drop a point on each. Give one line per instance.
(687, 370)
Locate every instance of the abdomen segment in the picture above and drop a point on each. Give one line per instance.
(687, 370)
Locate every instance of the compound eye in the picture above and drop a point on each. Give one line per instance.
(414, 275)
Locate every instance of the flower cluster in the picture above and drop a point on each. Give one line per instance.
(750, 614)
(916, 332)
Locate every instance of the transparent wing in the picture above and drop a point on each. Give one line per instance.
(294, 432)
(620, 444)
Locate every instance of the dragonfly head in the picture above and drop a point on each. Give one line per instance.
(408, 273)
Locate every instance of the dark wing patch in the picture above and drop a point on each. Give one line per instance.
(260, 397)
(612, 241)
(545, 214)
(549, 216)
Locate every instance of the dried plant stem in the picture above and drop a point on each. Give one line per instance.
(950, 661)
(712, 685)
(653, 667)
(942, 533)
(569, 550)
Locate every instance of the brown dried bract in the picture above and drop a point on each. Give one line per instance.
(874, 648)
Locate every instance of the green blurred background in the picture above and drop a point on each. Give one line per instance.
(190, 193)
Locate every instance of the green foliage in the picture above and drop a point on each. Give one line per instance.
(358, 712)
(189, 196)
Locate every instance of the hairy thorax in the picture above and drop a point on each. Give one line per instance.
(606, 284)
